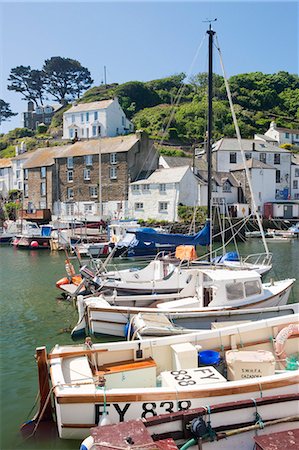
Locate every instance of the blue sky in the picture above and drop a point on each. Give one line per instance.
(145, 40)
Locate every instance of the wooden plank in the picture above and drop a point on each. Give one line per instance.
(126, 366)
(178, 395)
(76, 353)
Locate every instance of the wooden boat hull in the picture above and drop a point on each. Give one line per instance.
(144, 378)
(78, 413)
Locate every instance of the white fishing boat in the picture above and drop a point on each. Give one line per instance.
(98, 317)
(139, 379)
(207, 290)
(228, 426)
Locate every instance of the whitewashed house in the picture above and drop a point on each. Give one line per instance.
(5, 177)
(283, 135)
(262, 179)
(295, 177)
(104, 118)
(158, 196)
(227, 156)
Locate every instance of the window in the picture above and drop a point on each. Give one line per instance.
(296, 172)
(163, 206)
(48, 109)
(287, 135)
(233, 157)
(113, 173)
(43, 172)
(234, 291)
(96, 115)
(70, 209)
(70, 193)
(88, 160)
(113, 159)
(226, 187)
(88, 207)
(73, 118)
(276, 158)
(87, 117)
(18, 174)
(86, 174)
(296, 196)
(70, 162)
(71, 133)
(248, 156)
(43, 188)
(82, 132)
(25, 174)
(20, 187)
(123, 121)
(48, 119)
(82, 118)
(135, 187)
(214, 186)
(297, 136)
(277, 176)
(18, 164)
(1, 172)
(252, 288)
(145, 187)
(162, 187)
(263, 157)
(25, 189)
(93, 191)
(138, 206)
(94, 130)
(116, 131)
(295, 184)
(70, 176)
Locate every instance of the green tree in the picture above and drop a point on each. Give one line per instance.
(138, 93)
(65, 78)
(5, 111)
(28, 82)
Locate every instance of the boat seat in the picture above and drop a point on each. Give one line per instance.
(125, 366)
(77, 369)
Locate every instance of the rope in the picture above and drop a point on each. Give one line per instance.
(258, 419)
(211, 432)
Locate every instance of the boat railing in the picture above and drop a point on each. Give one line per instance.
(264, 259)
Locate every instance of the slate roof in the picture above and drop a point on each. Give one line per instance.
(253, 163)
(265, 138)
(177, 161)
(42, 157)
(105, 145)
(92, 106)
(163, 176)
(231, 144)
(219, 177)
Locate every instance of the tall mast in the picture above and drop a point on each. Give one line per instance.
(211, 33)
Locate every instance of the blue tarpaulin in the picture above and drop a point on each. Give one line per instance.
(201, 238)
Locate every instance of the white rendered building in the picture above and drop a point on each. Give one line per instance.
(92, 120)
(227, 156)
(158, 196)
(283, 135)
(5, 177)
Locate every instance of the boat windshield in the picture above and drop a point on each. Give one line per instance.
(235, 291)
(252, 287)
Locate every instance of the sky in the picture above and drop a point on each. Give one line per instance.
(145, 40)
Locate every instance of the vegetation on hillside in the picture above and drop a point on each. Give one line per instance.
(172, 109)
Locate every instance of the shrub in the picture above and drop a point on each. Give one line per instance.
(41, 128)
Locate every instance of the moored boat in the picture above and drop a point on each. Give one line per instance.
(128, 380)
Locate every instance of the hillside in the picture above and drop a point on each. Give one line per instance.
(176, 110)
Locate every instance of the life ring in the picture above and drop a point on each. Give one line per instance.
(113, 239)
(281, 339)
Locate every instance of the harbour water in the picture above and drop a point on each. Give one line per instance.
(32, 316)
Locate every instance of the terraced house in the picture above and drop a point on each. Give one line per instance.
(88, 178)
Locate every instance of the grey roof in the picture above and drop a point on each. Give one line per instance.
(264, 137)
(173, 175)
(231, 144)
(92, 106)
(177, 161)
(253, 163)
(219, 177)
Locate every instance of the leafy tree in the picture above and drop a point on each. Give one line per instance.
(29, 82)
(138, 93)
(5, 111)
(65, 78)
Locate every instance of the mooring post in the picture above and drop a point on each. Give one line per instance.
(45, 407)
